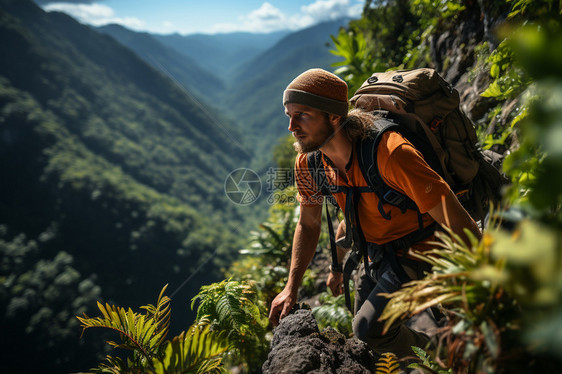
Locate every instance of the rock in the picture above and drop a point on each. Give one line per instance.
(299, 347)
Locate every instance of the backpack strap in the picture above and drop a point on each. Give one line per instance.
(318, 175)
(368, 163)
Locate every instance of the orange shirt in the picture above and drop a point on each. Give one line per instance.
(402, 167)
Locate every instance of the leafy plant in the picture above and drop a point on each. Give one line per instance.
(334, 313)
(275, 242)
(427, 364)
(357, 61)
(233, 307)
(197, 351)
(478, 308)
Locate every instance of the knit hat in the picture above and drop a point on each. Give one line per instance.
(319, 89)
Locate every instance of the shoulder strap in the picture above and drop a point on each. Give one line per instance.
(318, 174)
(368, 163)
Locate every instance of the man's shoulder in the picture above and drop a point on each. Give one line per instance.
(302, 160)
(391, 141)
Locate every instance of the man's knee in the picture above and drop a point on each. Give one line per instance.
(366, 330)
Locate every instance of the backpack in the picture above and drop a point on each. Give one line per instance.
(424, 108)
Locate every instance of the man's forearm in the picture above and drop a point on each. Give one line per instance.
(304, 247)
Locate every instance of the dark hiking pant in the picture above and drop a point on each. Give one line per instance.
(369, 306)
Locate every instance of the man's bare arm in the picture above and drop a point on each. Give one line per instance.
(305, 241)
(452, 214)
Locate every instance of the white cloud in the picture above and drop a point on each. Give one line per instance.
(268, 18)
(325, 10)
(94, 14)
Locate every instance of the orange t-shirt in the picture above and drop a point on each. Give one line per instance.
(402, 167)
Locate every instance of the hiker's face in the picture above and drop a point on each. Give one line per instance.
(310, 127)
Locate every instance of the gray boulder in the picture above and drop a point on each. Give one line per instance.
(299, 347)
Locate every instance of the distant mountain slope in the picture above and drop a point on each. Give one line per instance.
(179, 66)
(257, 88)
(221, 53)
(108, 167)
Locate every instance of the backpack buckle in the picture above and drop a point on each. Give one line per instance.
(394, 198)
(435, 123)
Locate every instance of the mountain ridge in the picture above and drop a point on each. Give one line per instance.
(113, 180)
(174, 64)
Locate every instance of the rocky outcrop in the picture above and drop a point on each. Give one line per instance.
(299, 347)
(453, 47)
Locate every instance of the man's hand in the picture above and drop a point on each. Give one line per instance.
(281, 306)
(335, 283)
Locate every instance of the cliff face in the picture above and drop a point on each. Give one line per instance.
(457, 52)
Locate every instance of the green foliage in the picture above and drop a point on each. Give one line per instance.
(461, 282)
(508, 79)
(333, 312)
(525, 68)
(537, 159)
(38, 296)
(534, 279)
(100, 173)
(284, 154)
(234, 308)
(357, 61)
(427, 365)
(196, 351)
(266, 261)
(143, 334)
(431, 12)
(275, 242)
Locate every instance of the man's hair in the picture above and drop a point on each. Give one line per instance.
(357, 124)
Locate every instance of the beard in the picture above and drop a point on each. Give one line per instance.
(317, 141)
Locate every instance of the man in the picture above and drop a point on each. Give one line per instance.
(316, 103)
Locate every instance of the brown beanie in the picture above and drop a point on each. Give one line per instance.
(318, 89)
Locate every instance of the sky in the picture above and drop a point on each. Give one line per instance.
(206, 16)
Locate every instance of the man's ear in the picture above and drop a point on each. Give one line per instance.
(334, 119)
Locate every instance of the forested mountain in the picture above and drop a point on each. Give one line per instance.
(221, 53)
(112, 184)
(182, 68)
(259, 85)
(252, 69)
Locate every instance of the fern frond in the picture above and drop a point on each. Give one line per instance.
(230, 312)
(142, 333)
(160, 314)
(117, 367)
(387, 364)
(196, 351)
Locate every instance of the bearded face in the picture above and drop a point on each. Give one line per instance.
(312, 138)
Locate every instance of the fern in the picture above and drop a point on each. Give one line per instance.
(334, 313)
(233, 307)
(224, 304)
(387, 364)
(427, 365)
(198, 351)
(140, 333)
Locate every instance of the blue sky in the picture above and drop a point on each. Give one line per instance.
(206, 16)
